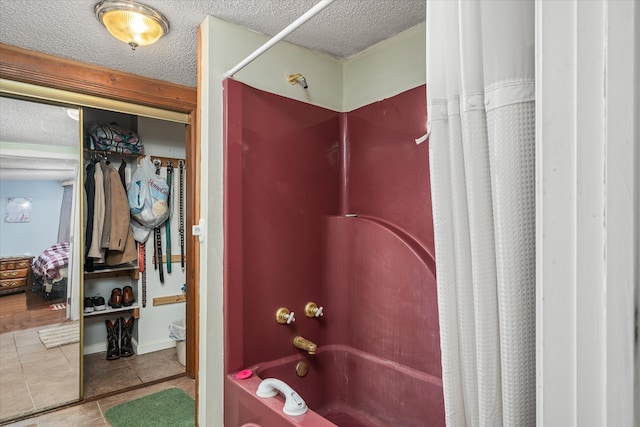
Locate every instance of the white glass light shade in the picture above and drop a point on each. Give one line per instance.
(131, 22)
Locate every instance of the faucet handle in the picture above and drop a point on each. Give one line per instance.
(284, 316)
(312, 310)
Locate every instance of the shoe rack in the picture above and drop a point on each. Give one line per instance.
(133, 309)
(94, 279)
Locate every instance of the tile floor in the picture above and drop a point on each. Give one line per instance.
(33, 378)
(24, 388)
(104, 376)
(91, 414)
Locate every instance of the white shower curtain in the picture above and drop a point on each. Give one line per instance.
(480, 92)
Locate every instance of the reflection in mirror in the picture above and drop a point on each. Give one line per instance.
(40, 275)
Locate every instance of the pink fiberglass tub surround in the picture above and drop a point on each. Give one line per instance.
(332, 208)
(344, 387)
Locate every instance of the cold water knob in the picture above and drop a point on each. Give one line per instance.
(284, 316)
(312, 310)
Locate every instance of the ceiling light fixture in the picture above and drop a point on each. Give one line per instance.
(131, 22)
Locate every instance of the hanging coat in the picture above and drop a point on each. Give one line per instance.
(122, 246)
(106, 227)
(95, 251)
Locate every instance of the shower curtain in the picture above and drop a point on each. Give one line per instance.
(480, 95)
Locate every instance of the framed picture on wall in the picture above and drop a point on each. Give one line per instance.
(18, 209)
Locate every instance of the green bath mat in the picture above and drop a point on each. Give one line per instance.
(168, 408)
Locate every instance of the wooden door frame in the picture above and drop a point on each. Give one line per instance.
(46, 70)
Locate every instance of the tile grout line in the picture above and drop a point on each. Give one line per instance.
(24, 377)
(104, 419)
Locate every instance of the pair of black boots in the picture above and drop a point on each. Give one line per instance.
(120, 328)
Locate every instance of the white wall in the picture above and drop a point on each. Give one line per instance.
(637, 215)
(269, 72)
(587, 223)
(162, 137)
(33, 237)
(382, 72)
(386, 69)
(167, 139)
(211, 332)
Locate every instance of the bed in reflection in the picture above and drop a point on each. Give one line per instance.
(50, 272)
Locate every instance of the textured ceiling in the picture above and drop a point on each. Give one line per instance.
(36, 123)
(37, 141)
(68, 28)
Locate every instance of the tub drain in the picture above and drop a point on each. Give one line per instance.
(301, 369)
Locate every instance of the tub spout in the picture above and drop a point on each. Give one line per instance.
(305, 344)
(293, 403)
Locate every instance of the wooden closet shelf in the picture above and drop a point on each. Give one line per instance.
(101, 274)
(134, 309)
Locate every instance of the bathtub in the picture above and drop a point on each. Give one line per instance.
(344, 387)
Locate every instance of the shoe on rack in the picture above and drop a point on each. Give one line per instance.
(88, 305)
(116, 298)
(98, 303)
(127, 296)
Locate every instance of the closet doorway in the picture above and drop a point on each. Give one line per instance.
(139, 339)
(88, 86)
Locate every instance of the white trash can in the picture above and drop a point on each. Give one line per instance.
(178, 332)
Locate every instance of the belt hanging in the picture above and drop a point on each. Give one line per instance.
(142, 259)
(181, 204)
(167, 225)
(158, 243)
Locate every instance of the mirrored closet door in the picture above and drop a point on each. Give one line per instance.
(40, 309)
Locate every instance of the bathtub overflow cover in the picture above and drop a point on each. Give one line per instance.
(301, 369)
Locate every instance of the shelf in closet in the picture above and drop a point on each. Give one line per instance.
(134, 309)
(163, 160)
(129, 270)
(110, 153)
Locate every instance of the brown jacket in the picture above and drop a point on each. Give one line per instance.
(122, 247)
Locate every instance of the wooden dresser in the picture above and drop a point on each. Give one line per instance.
(15, 274)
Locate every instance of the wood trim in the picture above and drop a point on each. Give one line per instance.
(50, 71)
(64, 97)
(192, 245)
(193, 298)
(169, 299)
(175, 258)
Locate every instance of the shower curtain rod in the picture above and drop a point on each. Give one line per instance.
(282, 34)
